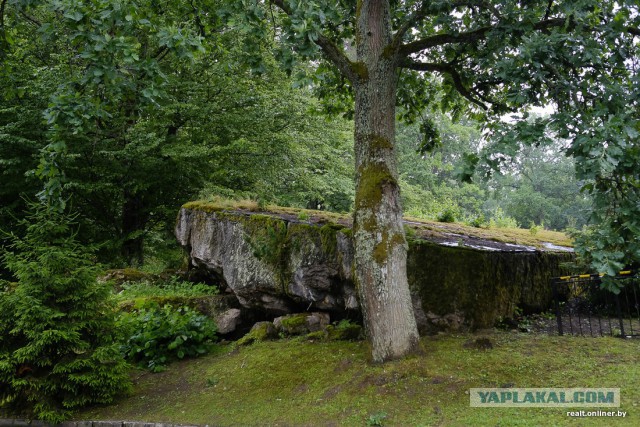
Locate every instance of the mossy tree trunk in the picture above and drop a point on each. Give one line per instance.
(381, 248)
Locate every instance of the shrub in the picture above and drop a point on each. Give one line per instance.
(448, 215)
(303, 216)
(58, 341)
(500, 219)
(534, 229)
(157, 335)
(478, 222)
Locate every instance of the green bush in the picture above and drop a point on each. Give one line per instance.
(157, 335)
(58, 340)
(478, 222)
(499, 219)
(448, 215)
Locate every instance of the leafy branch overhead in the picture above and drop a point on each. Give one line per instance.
(487, 58)
(498, 56)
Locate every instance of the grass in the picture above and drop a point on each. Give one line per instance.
(169, 288)
(506, 235)
(295, 382)
(218, 204)
(423, 228)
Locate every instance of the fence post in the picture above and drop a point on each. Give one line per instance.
(556, 297)
(623, 335)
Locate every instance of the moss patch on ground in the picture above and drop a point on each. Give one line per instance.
(420, 228)
(296, 382)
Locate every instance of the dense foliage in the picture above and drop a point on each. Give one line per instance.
(58, 337)
(167, 108)
(144, 111)
(157, 335)
(537, 187)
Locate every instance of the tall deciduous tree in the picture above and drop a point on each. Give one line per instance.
(497, 56)
(138, 122)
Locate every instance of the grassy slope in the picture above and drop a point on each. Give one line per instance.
(291, 382)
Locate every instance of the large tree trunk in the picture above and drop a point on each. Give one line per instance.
(381, 248)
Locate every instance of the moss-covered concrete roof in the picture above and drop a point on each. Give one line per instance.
(450, 234)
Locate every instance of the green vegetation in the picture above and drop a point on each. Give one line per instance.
(419, 226)
(173, 287)
(58, 336)
(158, 335)
(296, 382)
(260, 332)
(344, 330)
(123, 111)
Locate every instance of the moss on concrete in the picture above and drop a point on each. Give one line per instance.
(344, 331)
(421, 228)
(204, 206)
(294, 324)
(484, 285)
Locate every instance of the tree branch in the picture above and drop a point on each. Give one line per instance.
(422, 12)
(331, 51)
(547, 13)
(411, 20)
(161, 51)
(31, 19)
(200, 25)
(2, 6)
(448, 69)
(467, 37)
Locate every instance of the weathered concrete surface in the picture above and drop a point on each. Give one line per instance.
(269, 263)
(279, 264)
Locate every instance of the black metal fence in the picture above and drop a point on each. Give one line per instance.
(584, 308)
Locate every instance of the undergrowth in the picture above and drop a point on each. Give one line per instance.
(171, 287)
(159, 335)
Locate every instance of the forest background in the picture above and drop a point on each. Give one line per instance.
(127, 120)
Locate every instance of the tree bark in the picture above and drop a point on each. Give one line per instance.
(380, 244)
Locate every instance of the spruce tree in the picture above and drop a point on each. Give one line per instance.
(58, 341)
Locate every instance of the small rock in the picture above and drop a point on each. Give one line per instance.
(345, 331)
(259, 332)
(228, 321)
(301, 323)
(317, 321)
(451, 322)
